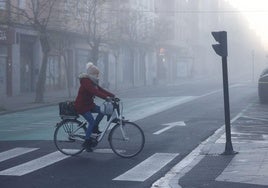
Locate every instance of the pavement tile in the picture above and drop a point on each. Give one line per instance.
(248, 168)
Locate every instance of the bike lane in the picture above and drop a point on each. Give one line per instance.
(39, 124)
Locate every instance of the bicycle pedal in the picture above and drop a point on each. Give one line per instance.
(94, 143)
(95, 135)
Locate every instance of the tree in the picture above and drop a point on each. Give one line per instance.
(128, 31)
(37, 14)
(62, 43)
(93, 24)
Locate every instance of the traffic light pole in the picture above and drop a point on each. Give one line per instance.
(228, 144)
(221, 50)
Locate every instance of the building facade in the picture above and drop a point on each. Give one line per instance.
(142, 42)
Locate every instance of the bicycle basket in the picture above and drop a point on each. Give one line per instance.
(107, 108)
(66, 109)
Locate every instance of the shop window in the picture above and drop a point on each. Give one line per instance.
(2, 4)
(81, 58)
(3, 50)
(53, 73)
(22, 4)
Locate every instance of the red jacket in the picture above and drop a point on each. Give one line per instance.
(84, 101)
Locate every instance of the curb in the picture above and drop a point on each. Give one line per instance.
(171, 179)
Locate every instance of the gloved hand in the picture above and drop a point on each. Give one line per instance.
(116, 99)
(108, 99)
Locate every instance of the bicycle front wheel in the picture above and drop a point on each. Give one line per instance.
(69, 136)
(126, 140)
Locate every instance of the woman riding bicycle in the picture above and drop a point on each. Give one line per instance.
(84, 103)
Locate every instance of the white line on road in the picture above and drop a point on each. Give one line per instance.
(192, 159)
(44, 123)
(34, 165)
(147, 168)
(153, 106)
(14, 153)
(104, 150)
(169, 126)
(253, 118)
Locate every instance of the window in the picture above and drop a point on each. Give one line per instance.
(36, 5)
(68, 6)
(3, 50)
(2, 4)
(22, 4)
(53, 72)
(81, 60)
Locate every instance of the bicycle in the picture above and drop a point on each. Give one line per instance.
(125, 138)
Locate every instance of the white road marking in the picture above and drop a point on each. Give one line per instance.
(219, 90)
(192, 159)
(14, 153)
(147, 168)
(169, 126)
(45, 123)
(107, 150)
(261, 119)
(100, 150)
(149, 106)
(34, 165)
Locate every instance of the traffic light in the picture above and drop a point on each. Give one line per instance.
(221, 50)
(221, 38)
(162, 55)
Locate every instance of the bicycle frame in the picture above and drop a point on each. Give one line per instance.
(82, 124)
(116, 115)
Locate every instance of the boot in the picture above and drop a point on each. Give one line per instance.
(96, 130)
(87, 145)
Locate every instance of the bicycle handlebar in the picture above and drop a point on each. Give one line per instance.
(115, 99)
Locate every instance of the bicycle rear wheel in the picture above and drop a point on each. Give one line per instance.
(126, 140)
(69, 136)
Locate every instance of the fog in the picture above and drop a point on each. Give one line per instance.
(147, 44)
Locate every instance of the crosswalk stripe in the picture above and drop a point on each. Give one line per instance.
(14, 153)
(107, 151)
(147, 168)
(34, 165)
(147, 107)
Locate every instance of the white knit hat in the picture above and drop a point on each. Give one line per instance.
(88, 65)
(92, 69)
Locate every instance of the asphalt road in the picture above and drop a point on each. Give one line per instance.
(175, 120)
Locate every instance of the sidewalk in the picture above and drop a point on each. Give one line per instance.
(206, 167)
(26, 101)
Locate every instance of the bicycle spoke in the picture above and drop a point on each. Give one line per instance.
(126, 140)
(69, 136)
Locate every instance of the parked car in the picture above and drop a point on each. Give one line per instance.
(263, 86)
